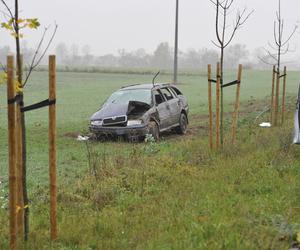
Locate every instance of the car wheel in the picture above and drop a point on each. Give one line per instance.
(183, 122)
(153, 130)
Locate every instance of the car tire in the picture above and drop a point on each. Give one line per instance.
(154, 130)
(183, 122)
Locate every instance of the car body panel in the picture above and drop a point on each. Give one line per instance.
(164, 114)
(296, 139)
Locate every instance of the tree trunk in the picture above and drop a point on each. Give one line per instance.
(222, 97)
(23, 126)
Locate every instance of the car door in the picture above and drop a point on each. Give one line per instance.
(163, 109)
(182, 99)
(173, 104)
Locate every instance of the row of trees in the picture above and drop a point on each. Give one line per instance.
(161, 58)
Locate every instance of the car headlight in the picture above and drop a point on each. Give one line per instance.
(134, 122)
(97, 123)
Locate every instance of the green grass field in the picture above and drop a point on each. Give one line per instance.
(174, 194)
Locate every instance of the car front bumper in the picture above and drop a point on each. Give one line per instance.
(130, 131)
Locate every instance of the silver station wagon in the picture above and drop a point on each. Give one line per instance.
(137, 110)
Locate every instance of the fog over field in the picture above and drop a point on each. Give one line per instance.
(106, 27)
(205, 160)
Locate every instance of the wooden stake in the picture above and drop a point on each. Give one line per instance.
(237, 104)
(20, 200)
(218, 106)
(283, 95)
(210, 107)
(272, 95)
(52, 148)
(277, 97)
(11, 92)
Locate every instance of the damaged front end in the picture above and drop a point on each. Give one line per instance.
(131, 122)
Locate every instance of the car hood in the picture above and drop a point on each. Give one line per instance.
(116, 109)
(110, 110)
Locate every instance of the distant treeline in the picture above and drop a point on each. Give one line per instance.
(82, 60)
(121, 70)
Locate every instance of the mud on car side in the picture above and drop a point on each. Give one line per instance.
(141, 109)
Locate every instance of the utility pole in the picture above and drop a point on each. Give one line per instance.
(176, 44)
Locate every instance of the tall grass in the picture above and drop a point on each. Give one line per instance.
(179, 195)
(175, 194)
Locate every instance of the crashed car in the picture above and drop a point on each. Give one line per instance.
(137, 110)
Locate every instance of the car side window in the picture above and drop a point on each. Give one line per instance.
(173, 92)
(158, 97)
(177, 91)
(167, 93)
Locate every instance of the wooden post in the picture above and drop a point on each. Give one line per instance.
(218, 83)
(11, 92)
(283, 95)
(272, 95)
(52, 148)
(237, 104)
(210, 107)
(176, 44)
(277, 97)
(20, 200)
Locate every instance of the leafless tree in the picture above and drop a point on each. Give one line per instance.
(224, 37)
(274, 53)
(13, 21)
(281, 45)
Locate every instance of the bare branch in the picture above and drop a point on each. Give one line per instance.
(282, 28)
(240, 20)
(220, 3)
(48, 45)
(227, 6)
(247, 17)
(3, 67)
(217, 23)
(5, 15)
(277, 16)
(291, 35)
(271, 46)
(217, 45)
(213, 2)
(8, 9)
(35, 62)
(38, 48)
(273, 56)
(275, 35)
(286, 50)
(264, 61)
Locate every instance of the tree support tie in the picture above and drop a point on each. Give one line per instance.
(38, 105)
(212, 80)
(231, 83)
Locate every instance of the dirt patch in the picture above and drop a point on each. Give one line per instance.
(192, 132)
(72, 134)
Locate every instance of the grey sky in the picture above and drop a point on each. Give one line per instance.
(109, 25)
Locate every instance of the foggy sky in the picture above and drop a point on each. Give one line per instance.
(131, 24)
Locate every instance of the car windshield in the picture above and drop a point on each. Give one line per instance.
(124, 96)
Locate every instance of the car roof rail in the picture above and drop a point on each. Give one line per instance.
(154, 86)
(130, 85)
(162, 84)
